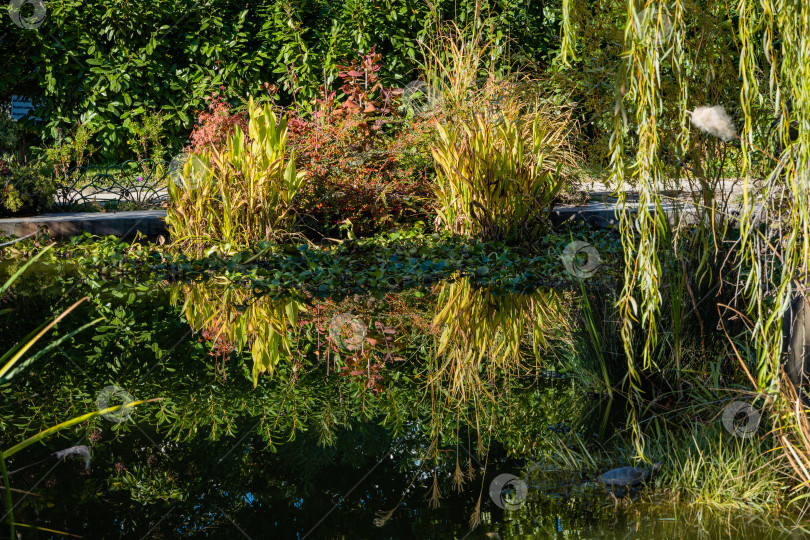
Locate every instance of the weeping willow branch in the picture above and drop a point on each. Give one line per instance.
(568, 38)
(641, 236)
(772, 255)
(769, 229)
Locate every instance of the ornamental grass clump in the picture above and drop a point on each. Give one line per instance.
(501, 153)
(496, 176)
(225, 199)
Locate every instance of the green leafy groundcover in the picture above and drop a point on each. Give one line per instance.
(387, 262)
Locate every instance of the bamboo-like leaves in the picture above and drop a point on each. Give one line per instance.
(242, 193)
(233, 320)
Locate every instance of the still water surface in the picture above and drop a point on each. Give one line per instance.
(339, 442)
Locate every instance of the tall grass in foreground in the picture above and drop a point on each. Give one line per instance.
(708, 466)
(12, 364)
(228, 198)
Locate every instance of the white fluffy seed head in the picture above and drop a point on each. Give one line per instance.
(714, 121)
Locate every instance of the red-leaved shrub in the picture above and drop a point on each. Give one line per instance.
(375, 187)
(213, 126)
(363, 163)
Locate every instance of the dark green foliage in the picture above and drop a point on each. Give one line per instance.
(114, 61)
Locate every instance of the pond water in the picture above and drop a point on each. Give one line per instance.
(363, 421)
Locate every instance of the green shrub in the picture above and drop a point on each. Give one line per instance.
(115, 64)
(25, 189)
(9, 135)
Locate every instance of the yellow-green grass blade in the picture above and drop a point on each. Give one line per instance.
(36, 338)
(9, 373)
(7, 491)
(4, 287)
(72, 422)
(52, 531)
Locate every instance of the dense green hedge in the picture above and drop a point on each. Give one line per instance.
(117, 60)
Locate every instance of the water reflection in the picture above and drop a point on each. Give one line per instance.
(352, 418)
(485, 332)
(234, 319)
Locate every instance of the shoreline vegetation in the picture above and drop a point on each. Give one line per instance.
(377, 273)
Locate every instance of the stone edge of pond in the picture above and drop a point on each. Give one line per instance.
(152, 222)
(64, 225)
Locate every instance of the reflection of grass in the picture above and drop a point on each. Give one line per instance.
(483, 332)
(261, 323)
(584, 510)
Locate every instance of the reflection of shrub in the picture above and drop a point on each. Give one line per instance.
(25, 189)
(235, 320)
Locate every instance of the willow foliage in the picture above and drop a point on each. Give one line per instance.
(662, 75)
